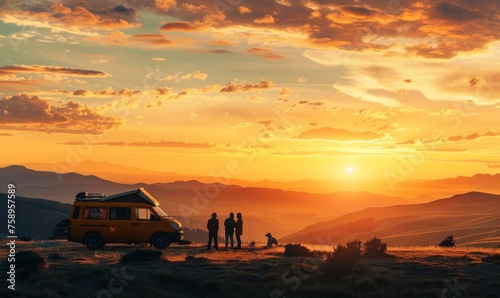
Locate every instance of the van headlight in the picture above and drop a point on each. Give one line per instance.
(174, 226)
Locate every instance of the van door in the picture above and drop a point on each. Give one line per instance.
(145, 224)
(119, 224)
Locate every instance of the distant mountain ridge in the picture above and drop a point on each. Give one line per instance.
(418, 190)
(471, 217)
(265, 210)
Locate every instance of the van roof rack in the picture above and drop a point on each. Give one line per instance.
(89, 195)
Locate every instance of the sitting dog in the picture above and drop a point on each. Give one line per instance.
(271, 240)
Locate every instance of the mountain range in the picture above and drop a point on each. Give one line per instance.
(471, 217)
(292, 216)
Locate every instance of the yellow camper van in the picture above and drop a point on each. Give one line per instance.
(129, 217)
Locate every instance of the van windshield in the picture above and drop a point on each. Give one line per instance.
(160, 212)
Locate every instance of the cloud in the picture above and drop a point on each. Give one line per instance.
(472, 137)
(158, 59)
(160, 143)
(6, 134)
(72, 18)
(235, 87)
(244, 10)
(267, 19)
(78, 72)
(188, 76)
(336, 134)
(25, 112)
(266, 54)
(456, 138)
(180, 26)
(452, 12)
(222, 43)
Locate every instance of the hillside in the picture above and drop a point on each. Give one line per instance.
(472, 218)
(35, 218)
(264, 210)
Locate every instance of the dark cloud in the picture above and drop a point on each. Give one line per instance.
(181, 26)
(358, 10)
(452, 12)
(235, 87)
(5, 70)
(25, 112)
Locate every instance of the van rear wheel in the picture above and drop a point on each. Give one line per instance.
(93, 241)
(160, 241)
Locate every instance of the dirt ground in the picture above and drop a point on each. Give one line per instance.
(192, 271)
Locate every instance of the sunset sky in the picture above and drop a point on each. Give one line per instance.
(261, 89)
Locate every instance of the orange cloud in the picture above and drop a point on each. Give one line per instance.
(24, 112)
(244, 10)
(267, 19)
(234, 87)
(180, 26)
(266, 54)
(71, 18)
(336, 134)
(160, 143)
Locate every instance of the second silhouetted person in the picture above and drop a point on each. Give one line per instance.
(229, 225)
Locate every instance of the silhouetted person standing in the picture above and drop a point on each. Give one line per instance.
(213, 229)
(229, 225)
(239, 229)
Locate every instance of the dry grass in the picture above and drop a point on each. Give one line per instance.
(253, 272)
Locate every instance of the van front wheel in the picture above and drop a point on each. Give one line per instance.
(93, 241)
(160, 241)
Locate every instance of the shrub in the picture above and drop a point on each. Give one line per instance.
(251, 244)
(495, 259)
(61, 231)
(25, 239)
(374, 247)
(447, 242)
(296, 250)
(30, 262)
(341, 261)
(141, 255)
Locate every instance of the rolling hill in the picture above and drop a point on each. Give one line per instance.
(471, 217)
(264, 210)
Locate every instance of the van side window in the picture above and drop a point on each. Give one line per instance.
(95, 213)
(145, 214)
(76, 212)
(119, 213)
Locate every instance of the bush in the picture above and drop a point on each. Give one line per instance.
(447, 242)
(30, 262)
(296, 250)
(61, 231)
(495, 259)
(141, 255)
(25, 239)
(341, 261)
(251, 244)
(375, 247)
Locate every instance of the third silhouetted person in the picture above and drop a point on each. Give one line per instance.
(239, 229)
(229, 226)
(213, 230)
